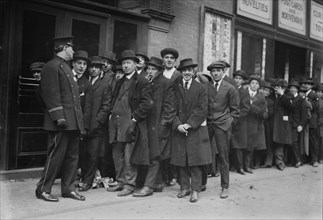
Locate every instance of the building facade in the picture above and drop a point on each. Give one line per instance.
(274, 39)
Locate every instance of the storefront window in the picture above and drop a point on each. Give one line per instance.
(125, 37)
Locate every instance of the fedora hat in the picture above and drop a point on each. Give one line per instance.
(307, 81)
(62, 41)
(128, 54)
(293, 83)
(169, 51)
(216, 64)
(188, 62)
(241, 73)
(97, 60)
(36, 66)
(81, 55)
(143, 54)
(280, 82)
(265, 84)
(254, 77)
(155, 61)
(109, 55)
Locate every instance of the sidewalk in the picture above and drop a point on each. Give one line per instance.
(266, 194)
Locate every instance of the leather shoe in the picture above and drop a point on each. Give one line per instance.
(203, 188)
(172, 182)
(115, 188)
(145, 191)
(224, 193)
(183, 193)
(315, 164)
(298, 164)
(194, 196)
(85, 187)
(280, 167)
(241, 171)
(73, 195)
(158, 188)
(248, 170)
(46, 196)
(125, 192)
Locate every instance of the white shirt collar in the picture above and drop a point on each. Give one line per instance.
(308, 92)
(188, 84)
(130, 75)
(168, 73)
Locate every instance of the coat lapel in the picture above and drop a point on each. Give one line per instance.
(221, 89)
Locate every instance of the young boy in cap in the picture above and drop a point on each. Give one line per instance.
(223, 110)
(141, 66)
(35, 69)
(63, 121)
(170, 55)
(191, 144)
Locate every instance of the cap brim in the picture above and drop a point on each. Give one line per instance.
(182, 67)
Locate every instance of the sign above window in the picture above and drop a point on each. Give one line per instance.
(316, 21)
(292, 15)
(260, 10)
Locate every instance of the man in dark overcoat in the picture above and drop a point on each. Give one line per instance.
(240, 129)
(191, 144)
(223, 110)
(131, 101)
(160, 122)
(63, 121)
(94, 121)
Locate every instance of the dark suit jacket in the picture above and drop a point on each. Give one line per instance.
(100, 107)
(61, 96)
(312, 97)
(161, 118)
(193, 149)
(223, 106)
(85, 92)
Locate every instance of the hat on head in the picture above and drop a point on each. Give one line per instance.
(265, 84)
(240, 73)
(226, 64)
(280, 82)
(62, 41)
(128, 54)
(97, 60)
(117, 68)
(169, 51)
(216, 64)
(293, 83)
(109, 55)
(143, 55)
(188, 62)
(155, 61)
(81, 55)
(307, 81)
(254, 77)
(302, 88)
(36, 66)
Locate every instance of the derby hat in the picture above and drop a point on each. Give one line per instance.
(280, 82)
(265, 84)
(308, 81)
(254, 77)
(143, 55)
(293, 83)
(109, 55)
(216, 64)
(96, 60)
(36, 66)
(240, 73)
(128, 54)
(81, 55)
(188, 62)
(62, 41)
(169, 51)
(302, 88)
(155, 61)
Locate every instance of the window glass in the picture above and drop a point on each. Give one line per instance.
(125, 37)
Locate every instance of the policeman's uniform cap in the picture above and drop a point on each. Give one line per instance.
(62, 41)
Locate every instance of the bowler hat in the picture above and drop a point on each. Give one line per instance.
(109, 55)
(36, 66)
(188, 62)
(62, 41)
(128, 54)
(97, 60)
(240, 73)
(154, 61)
(265, 84)
(226, 64)
(307, 81)
(254, 77)
(280, 82)
(216, 64)
(293, 83)
(302, 88)
(143, 54)
(319, 87)
(169, 51)
(81, 55)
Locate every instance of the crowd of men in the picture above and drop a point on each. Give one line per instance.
(147, 124)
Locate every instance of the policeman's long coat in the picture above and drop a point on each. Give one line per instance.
(240, 129)
(256, 129)
(161, 118)
(61, 96)
(193, 149)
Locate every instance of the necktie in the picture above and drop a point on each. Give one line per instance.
(186, 85)
(216, 87)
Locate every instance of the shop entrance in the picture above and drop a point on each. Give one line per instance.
(290, 61)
